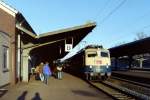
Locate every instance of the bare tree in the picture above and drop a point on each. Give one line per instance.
(140, 35)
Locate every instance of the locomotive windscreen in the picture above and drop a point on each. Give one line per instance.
(104, 54)
(92, 54)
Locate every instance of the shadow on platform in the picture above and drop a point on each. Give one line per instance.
(36, 97)
(3, 92)
(23, 96)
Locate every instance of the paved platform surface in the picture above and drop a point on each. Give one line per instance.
(69, 88)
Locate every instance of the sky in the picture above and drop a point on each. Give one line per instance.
(118, 21)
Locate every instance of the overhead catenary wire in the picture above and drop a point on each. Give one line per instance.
(102, 10)
(113, 11)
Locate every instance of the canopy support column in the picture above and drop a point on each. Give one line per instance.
(25, 66)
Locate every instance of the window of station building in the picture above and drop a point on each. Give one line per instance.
(5, 57)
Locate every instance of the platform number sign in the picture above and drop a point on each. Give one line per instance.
(68, 47)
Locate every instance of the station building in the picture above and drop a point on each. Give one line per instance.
(11, 42)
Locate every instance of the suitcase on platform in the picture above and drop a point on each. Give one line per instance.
(37, 77)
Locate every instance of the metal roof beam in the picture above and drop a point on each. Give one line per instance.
(41, 44)
(26, 31)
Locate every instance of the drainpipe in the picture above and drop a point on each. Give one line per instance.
(18, 57)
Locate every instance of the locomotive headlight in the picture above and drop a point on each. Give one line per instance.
(107, 66)
(90, 66)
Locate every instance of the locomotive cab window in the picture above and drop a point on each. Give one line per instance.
(91, 54)
(104, 54)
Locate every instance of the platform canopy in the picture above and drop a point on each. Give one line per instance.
(132, 48)
(50, 46)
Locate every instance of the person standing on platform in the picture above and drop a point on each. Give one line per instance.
(41, 71)
(47, 72)
(59, 72)
(37, 73)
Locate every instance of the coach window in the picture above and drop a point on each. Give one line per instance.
(5, 58)
(104, 54)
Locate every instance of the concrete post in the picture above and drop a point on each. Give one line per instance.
(116, 63)
(25, 66)
(130, 62)
(141, 62)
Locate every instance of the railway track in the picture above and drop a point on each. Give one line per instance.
(118, 92)
(135, 78)
(111, 91)
(132, 82)
(141, 90)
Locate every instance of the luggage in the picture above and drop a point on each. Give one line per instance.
(37, 77)
(42, 77)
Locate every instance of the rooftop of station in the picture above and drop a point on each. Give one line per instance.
(132, 48)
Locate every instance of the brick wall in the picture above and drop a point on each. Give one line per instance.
(7, 22)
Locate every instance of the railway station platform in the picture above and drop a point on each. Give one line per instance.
(134, 75)
(69, 88)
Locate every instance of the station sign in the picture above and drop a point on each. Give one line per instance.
(68, 47)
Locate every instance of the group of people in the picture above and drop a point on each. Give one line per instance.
(44, 71)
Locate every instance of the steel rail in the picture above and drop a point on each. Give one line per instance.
(112, 91)
(128, 91)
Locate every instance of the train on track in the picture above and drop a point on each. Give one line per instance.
(90, 63)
